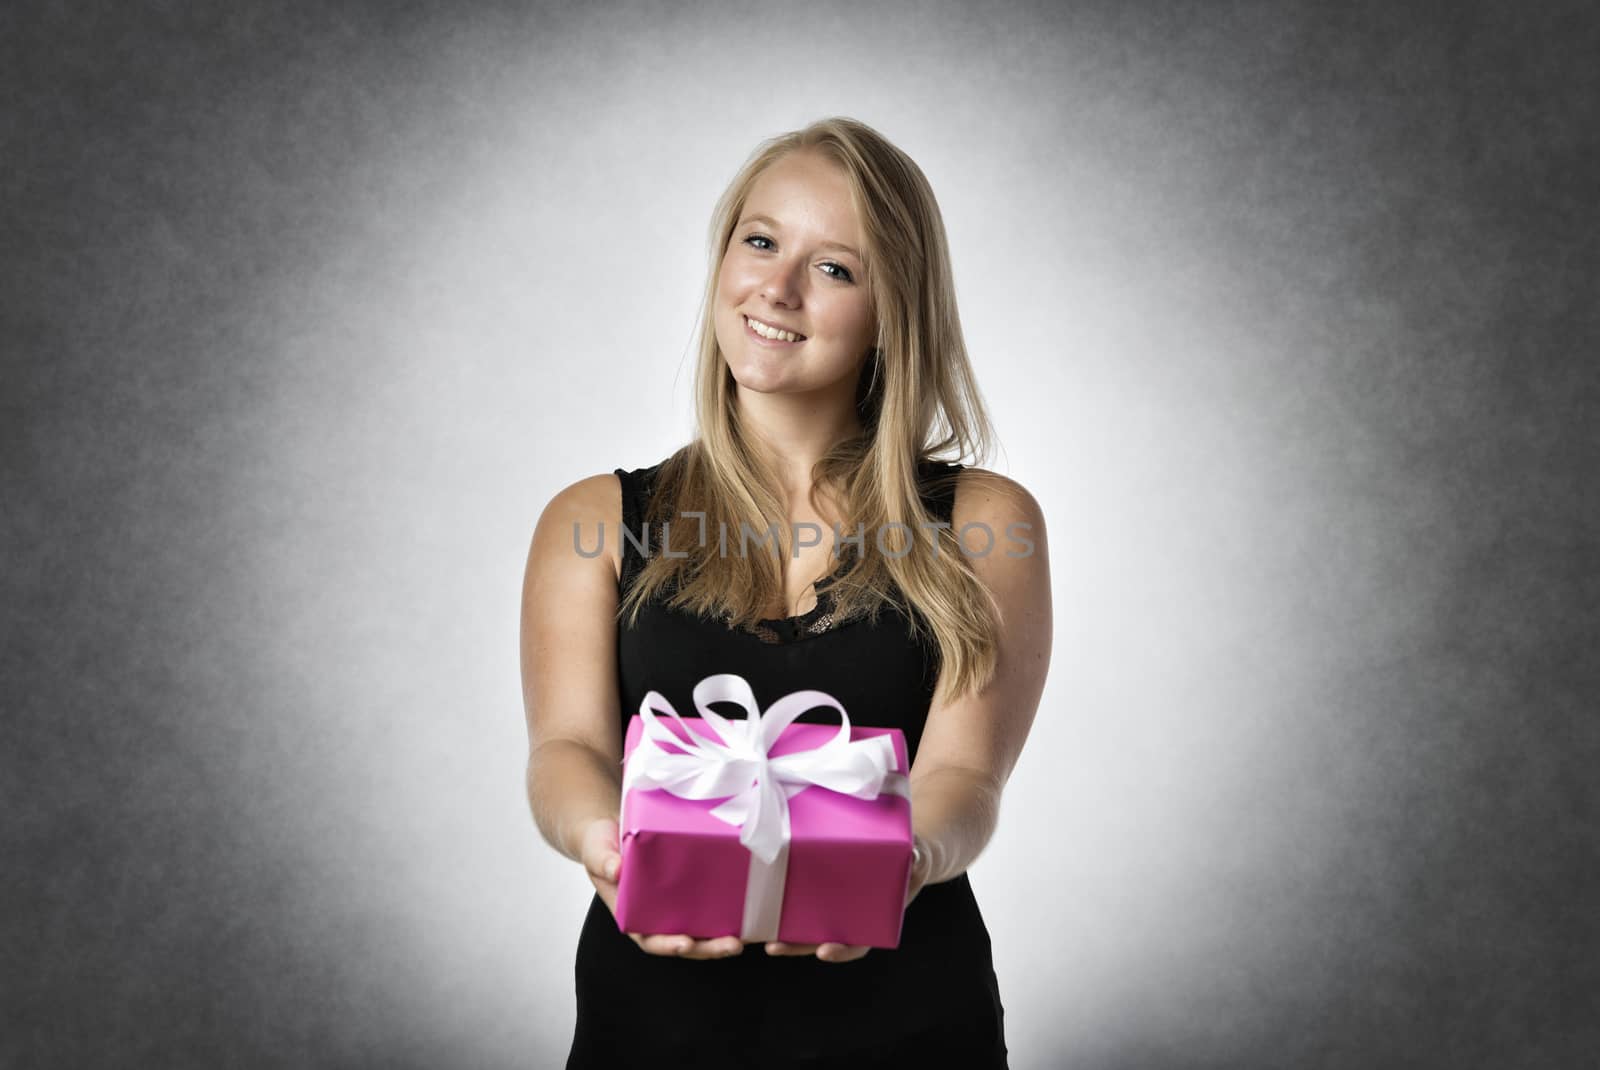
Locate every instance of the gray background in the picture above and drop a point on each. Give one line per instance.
(1287, 316)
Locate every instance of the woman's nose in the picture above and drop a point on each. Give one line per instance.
(781, 285)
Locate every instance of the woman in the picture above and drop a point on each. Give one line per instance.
(831, 373)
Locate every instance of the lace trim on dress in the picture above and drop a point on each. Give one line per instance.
(820, 618)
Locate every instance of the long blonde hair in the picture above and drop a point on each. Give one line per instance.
(917, 400)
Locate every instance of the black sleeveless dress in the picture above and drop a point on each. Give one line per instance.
(934, 997)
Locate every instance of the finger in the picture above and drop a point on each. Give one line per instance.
(719, 948)
(841, 952)
(663, 944)
(778, 947)
(603, 865)
(678, 945)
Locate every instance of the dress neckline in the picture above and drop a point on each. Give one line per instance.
(795, 626)
(810, 616)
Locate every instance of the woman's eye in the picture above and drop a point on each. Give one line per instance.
(841, 272)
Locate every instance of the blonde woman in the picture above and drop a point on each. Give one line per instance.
(832, 377)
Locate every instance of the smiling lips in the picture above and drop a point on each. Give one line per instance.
(769, 333)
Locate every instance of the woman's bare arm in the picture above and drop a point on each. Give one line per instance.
(569, 688)
(569, 674)
(970, 746)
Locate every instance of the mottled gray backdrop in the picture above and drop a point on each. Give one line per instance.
(1286, 313)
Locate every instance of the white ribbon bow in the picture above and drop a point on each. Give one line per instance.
(757, 787)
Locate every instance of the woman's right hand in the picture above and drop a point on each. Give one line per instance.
(602, 861)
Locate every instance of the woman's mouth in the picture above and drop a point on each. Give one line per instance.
(774, 337)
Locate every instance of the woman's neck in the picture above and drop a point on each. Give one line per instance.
(793, 433)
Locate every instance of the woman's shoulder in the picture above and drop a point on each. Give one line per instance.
(588, 508)
(969, 482)
(639, 480)
(986, 497)
(604, 496)
(595, 497)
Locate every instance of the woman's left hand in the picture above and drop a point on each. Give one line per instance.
(850, 952)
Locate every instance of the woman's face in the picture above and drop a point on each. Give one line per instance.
(792, 263)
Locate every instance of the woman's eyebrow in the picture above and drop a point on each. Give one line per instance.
(769, 221)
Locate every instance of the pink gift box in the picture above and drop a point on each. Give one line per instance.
(847, 862)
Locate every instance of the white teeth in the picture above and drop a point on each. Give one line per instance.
(771, 332)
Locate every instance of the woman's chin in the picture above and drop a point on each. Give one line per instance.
(762, 376)
(762, 384)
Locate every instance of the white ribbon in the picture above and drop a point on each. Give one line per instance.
(757, 787)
